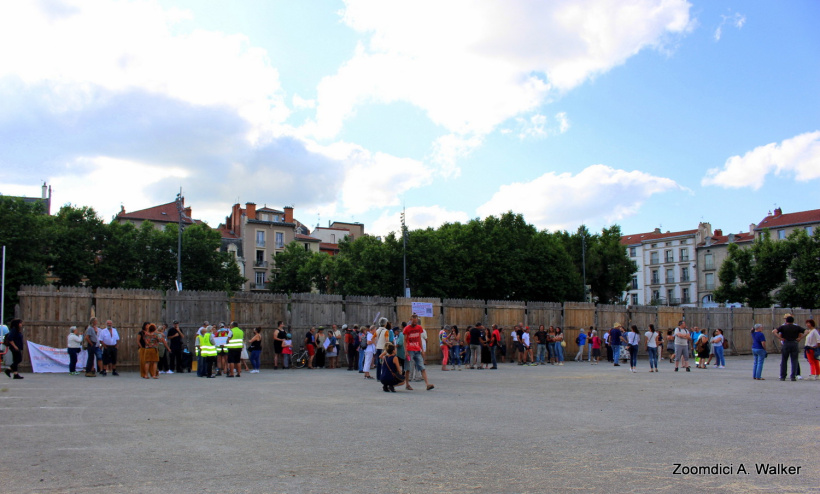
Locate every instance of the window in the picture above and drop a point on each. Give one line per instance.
(668, 244)
(684, 296)
(656, 295)
(684, 255)
(809, 231)
(654, 245)
(656, 278)
(670, 295)
(280, 240)
(307, 247)
(260, 280)
(670, 275)
(634, 282)
(260, 257)
(332, 238)
(653, 258)
(781, 234)
(684, 274)
(669, 256)
(634, 299)
(260, 238)
(633, 251)
(710, 281)
(709, 261)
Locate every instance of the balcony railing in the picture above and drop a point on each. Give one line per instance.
(654, 261)
(670, 279)
(260, 264)
(260, 286)
(670, 259)
(684, 279)
(656, 280)
(709, 265)
(710, 286)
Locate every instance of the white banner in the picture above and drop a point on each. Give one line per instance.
(48, 359)
(423, 309)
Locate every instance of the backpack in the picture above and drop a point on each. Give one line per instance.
(577, 340)
(363, 341)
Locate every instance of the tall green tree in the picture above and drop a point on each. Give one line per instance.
(24, 233)
(751, 275)
(292, 274)
(77, 237)
(803, 286)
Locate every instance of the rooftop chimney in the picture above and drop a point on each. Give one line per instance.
(45, 191)
(778, 212)
(250, 210)
(288, 214)
(188, 213)
(752, 227)
(718, 232)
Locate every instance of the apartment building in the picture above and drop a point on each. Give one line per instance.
(667, 266)
(711, 254)
(782, 225)
(159, 216)
(334, 233)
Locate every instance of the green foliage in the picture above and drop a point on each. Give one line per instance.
(292, 272)
(751, 275)
(23, 230)
(77, 235)
(803, 287)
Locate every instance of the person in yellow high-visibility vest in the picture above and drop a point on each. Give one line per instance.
(207, 350)
(222, 350)
(234, 346)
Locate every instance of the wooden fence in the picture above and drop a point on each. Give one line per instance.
(48, 312)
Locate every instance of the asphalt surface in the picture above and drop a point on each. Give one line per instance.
(576, 427)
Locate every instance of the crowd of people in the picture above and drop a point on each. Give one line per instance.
(396, 354)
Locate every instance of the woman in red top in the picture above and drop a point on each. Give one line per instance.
(596, 347)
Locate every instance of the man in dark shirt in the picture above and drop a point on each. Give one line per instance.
(615, 342)
(176, 338)
(475, 346)
(541, 341)
(789, 334)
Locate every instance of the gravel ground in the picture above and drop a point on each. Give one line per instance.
(576, 427)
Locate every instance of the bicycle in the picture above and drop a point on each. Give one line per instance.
(300, 359)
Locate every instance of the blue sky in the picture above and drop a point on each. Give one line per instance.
(646, 114)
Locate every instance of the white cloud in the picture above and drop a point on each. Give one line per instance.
(471, 65)
(538, 126)
(737, 20)
(799, 155)
(565, 201)
(416, 218)
(373, 180)
(450, 148)
(83, 50)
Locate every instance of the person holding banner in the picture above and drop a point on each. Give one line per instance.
(14, 341)
(74, 346)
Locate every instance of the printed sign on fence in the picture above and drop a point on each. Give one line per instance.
(48, 359)
(423, 309)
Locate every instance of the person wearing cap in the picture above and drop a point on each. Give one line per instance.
(412, 335)
(582, 342)
(615, 335)
(790, 334)
(175, 338)
(75, 345)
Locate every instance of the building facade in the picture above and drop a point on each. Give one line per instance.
(711, 254)
(782, 225)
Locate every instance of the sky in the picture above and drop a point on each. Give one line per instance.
(645, 113)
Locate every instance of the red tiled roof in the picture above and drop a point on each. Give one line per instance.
(789, 219)
(724, 239)
(226, 233)
(325, 228)
(328, 246)
(637, 238)
(162, 213)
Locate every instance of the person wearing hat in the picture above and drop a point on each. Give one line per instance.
(790, 334)
(175, 338)
(75, 345)
(615, 336)
(412, 334)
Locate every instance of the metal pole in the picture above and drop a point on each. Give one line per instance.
(3, 290)
(404, 255)
(584, 261)
(179, 242)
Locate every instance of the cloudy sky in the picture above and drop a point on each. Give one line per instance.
(647, 113)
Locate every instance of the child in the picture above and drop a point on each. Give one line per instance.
(287, 351)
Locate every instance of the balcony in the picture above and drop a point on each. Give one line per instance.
(709, 266)
(710, 286)
(260, 264)
(670, 259)
(654, 261)
(674, 301)
(670, 279)
(656, 280)
(684, 258)
(260, 286)
(685, 279)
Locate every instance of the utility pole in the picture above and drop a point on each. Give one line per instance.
(584, 259)
(179, 239)
(404, 261)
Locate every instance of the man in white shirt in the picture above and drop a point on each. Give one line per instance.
(525, 340)
(109, 339)
(682, 339)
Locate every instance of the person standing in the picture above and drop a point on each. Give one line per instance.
(615, 336)
(717, 348)
(207, 352)
(255, 349)
(234, 346)
(702, 349)
(453, 343)
(652, 347)
(633, 339)
(475, 346)
(382, 338)
(608, 347)
(14, 342)
(682, 339)
(92, 342)
(222, 349)
(589, 342)
(398, 340)
(596, 347)
(789, 334)
(109, 339)
(813, 348)
(152, 343)
(74, 346)
(581, 342)
(310, 345)
(443, 344)
(351, 342)
(176, 338)
(559, 345)
(412, 334)
(759, 351)
(541, 345)
(278, 337)
(370, 351)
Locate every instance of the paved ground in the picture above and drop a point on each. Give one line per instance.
(519, 429)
